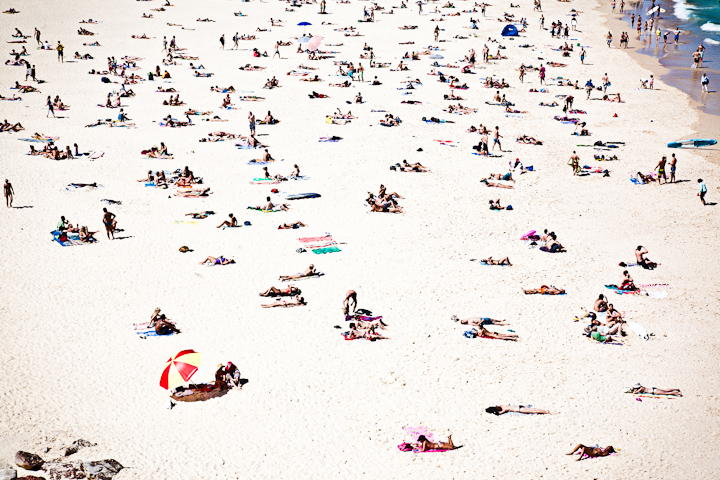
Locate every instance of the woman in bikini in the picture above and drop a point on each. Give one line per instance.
(483, 333)
(544, 290)
(490, 261)
(309, 272)
(502, 409)
(290, 290)
(423, 444)
(591, 451)
(295, 302)
(637, 388)
(217, 261)
(478, 321)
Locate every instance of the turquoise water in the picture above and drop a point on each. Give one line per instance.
(699, 23)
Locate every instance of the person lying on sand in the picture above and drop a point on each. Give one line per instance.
(308, 272)
(365, 330)
(297, 301)
(637, 388)
(490, 261)
(376, 205)
(493, 184)
(507, 177)
(502, 409)
(297, 224)
(483, 333)
(415, 167)
(478, 321)
(217, 261)
(591, 452)
(6, 126)
(424, 444)
(290, 290)
(528, 140)
(544, 290)
(232, 223)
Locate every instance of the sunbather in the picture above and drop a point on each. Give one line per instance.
(626, 282)
(490, 261)
(495, 205)
(478, 321)
(544, 290)
(217, 261)
(291, 225)
(424, 444)
(295, 302)
(601, 304)
(496, 185)
(232, 223)
(501, 409)
(646, 263)
(637, 388)
(87, 236)
(164, 326)
(591, 451)
(290, 290)
(483, 333)
(309, 272)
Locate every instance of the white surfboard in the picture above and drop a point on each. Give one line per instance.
(651, 11)
(639, 330)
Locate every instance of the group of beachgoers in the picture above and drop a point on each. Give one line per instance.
(605, 325)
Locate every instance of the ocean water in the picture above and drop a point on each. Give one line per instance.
(699, 24)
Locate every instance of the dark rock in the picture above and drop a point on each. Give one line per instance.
(75, 446)
(99, 470)
(28, 461)
(31, 477)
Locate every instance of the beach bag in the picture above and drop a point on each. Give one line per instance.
(469, 334)
(405, 447)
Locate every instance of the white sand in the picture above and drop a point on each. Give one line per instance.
(315, 405)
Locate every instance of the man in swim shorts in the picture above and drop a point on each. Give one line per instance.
(660, 167)
(8, 192)
(673, 164)
(109, 222)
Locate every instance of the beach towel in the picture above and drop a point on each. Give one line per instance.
(150, 332)
(263, 210)
(603, 343)
(68, 239)
(330, 139)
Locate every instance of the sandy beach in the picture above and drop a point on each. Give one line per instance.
(312, 404)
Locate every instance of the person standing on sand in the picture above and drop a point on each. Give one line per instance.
(704, 82)
(60, 49)
(109, 222)
(9, 192)
(703, 191)
(575, 163)
(323, 5)
(609, 39)
(222, 42)
(673, 163)
(437, 32)
(37, 36)
(660, 167)
(235, 41)
(277, 50)
(582, 56)
(542, 75)
(350, 296)
(50, 107)
(251, 119)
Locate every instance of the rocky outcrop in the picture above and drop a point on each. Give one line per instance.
(28, 461)
(78, 470)
(75, 446)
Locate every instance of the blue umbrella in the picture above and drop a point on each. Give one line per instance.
(304, 24)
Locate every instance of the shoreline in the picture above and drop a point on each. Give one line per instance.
(706, 125)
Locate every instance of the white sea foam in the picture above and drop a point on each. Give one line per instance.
(682, 10)
(710, 41)
(710, 27)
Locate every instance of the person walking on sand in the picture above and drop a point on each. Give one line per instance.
(60, 49)
(673, 164)
(437, 32)
(110, 223)
(235, 38)
(703, 191)
(660, 167)
(496, 138)
(350, 296)
(37, 36)
(609, 39)
(704, 82)
(9, 192)
(222, 42)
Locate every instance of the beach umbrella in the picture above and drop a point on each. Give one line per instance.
(304, 24)
(314, 43)
(179, 369)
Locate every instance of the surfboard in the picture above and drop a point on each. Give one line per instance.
(300, 196)
(695, 142)
(652, 10)
(639, 330)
